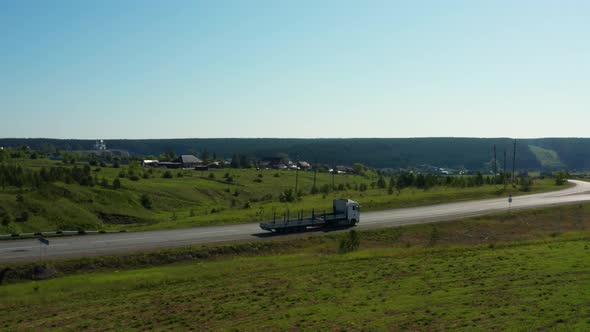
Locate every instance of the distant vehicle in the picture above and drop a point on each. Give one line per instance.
(345, 212)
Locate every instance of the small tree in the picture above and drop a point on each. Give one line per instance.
(116, 184)
(381, 182)
(561, 178)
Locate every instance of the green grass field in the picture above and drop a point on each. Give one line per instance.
(519, 272)
(196, 199)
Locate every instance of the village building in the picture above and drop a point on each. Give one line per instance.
(190, 161)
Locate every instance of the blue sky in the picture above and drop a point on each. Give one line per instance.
(162, 69)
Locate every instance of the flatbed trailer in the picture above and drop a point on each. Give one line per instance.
(345, 212)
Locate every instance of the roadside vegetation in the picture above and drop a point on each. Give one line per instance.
(38, 194)
(520, 271)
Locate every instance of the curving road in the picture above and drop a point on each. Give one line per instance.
(91, 245)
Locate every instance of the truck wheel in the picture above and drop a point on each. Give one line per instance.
(352, 222)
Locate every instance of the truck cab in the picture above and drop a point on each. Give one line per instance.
(348, 211)
(354, 213)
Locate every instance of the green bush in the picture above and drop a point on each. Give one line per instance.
(350, 242)
(288, 196)
(146, 201)
(363, 187)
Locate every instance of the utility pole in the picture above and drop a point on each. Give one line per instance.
(495, 166)
(514, 162)
(297, 177)
(504, 173)
(315, 173)
(333, 171)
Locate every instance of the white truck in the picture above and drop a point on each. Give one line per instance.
(345, 212)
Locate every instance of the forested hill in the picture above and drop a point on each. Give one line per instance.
(470, 153)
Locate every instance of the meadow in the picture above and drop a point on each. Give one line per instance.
(196, 198)
(521, 271)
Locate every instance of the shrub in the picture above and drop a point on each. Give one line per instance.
(434, 236)
(381, 183)
(146, 201)
(266, 197)
(287, 196)
(211, 176)
(167, 175)
(116, 184)
(363, 187)
(134, 178)
(24, 216)
(525, 184)
(6, 219)
(350, 242)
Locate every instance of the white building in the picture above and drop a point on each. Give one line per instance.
(100, 145)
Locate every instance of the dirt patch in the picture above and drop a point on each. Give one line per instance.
(120, 219)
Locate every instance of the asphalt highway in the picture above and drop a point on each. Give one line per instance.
(114, 243)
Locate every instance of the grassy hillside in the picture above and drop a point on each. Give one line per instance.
(204, 198)
(521, 272)
(548, 158)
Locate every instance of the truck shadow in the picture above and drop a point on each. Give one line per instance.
(307, 231)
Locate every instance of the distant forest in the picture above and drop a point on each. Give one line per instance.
(455, 153)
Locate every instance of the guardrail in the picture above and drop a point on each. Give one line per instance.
(54, 233)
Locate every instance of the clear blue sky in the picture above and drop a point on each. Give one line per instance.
(161, 69)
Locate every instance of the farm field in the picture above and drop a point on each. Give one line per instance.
(523, 271)
(214, 197)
